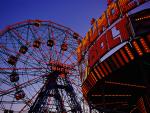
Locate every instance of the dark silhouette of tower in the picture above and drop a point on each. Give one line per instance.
(54, 84)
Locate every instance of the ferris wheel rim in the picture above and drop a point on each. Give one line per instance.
(24, 23)
(31, 21)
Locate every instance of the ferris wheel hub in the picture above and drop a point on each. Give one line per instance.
(38, 60)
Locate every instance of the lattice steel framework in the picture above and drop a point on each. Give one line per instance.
(38, 68)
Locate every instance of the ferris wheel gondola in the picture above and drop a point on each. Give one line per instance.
(39, 57)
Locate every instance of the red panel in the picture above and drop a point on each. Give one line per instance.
(90, 34)
(124, 55)
(79, 54)
(103, 68)
(129, 52)
(137, 48)
(85, 43)
(127, 5)
(102, 45)
(112, 12)
(102, 23)
(95, 31)
(97, 73)
(93, 56)
(109, 2)
(120, 59)
(122, 27)
(93, 77)
(111, 41)
(100, 70)
(97, 50)
(145, 45)
(115, 61)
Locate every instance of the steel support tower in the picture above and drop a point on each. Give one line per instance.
(51, 89)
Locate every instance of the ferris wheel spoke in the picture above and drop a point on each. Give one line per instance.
(19, 36)
(27, 32)
(25, 41)
(36, 31)
(50, 38)
(41, 49)
(27, 83)
(39, 37)
(69, 59)
(55, 47)
(27, 56)
(13, 44)
(3, 81)
(31, 99)
(60, 54)
(44, 55)
(21, 68)
(37, 58)
(3, 62)
(71, 54)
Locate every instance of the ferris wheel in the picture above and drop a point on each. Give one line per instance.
(39, 72)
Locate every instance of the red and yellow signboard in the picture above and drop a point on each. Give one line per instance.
(106, 41)
(102, 33)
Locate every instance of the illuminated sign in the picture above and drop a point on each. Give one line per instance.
(106, 41)
(59, 67)
(102, 33)
(127, 53)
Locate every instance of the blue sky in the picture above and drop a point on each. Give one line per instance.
(75, 14)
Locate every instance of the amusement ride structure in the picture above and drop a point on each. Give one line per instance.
(48, 68)
(38, 69)
(115, 59)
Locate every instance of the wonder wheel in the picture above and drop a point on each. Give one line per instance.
(38, 69)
